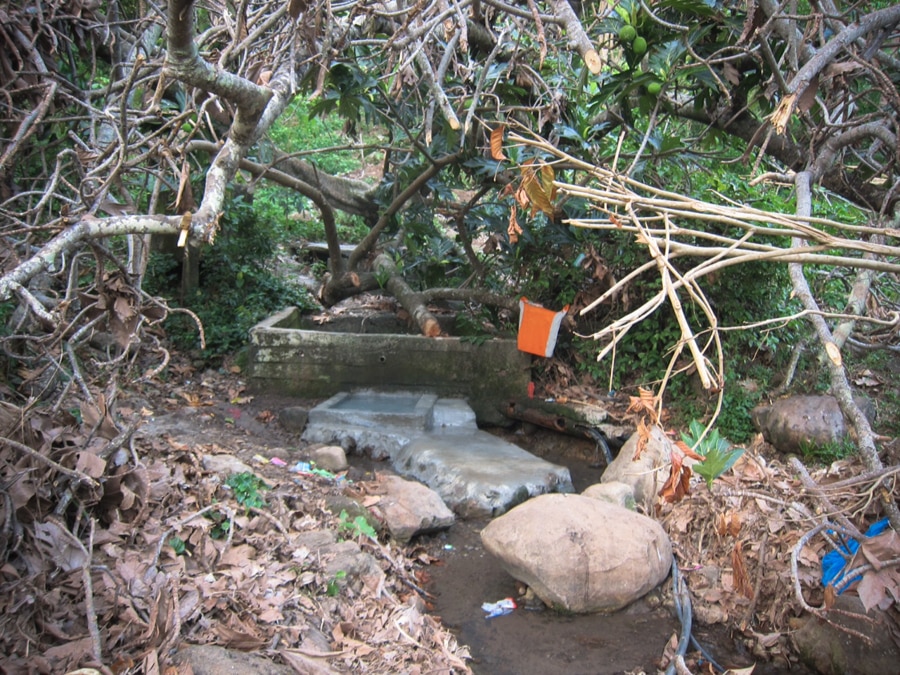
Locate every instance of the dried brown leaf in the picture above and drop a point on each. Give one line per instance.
(304, 664)
(90, 464)
(513, 229)
(678, 484)
(808, 97)
(497, 142)
(645, 404)
(538, 198)
(643, 435)
(741, 579)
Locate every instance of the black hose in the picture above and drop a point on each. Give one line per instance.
(682, 597)
(602, 443)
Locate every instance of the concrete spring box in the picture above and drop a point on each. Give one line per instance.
(289, 359)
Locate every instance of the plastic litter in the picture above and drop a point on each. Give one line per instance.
(277, 461)
(499, 608)
(834, 562)
(302, 467)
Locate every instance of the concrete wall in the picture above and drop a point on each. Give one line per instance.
(317, 364)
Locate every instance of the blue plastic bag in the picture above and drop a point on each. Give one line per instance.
(833, 563)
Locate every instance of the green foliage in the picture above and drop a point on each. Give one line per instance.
(717, 452)
(6, 311)
(178, 545)
(432, 260)
(357, 527)
(221, 526)
(298, 130)
(236, 289)
(827, 453)
(246, 488)
(333, 589)
(321, 141)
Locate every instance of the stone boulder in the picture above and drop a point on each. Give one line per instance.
(343, 562)
(613, 492)
(294, 418)
(791, 422)
(214, 660)
(580, 554)
(646, 475)
(224, 465)
(330, 457)
(408, 508)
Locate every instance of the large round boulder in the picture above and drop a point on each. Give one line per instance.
(580, 554)
(791, 424)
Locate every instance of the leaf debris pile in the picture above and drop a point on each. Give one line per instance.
(118, 548)
(751, 547)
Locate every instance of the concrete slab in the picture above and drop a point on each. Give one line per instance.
(437, 442)
(406, 410)
(478, 474)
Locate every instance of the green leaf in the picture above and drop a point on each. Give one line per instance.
(716, 451)
(177, 544)
(358, 526)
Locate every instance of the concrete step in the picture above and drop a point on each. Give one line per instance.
(437, 442)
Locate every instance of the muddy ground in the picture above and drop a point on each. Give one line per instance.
(240, 581)
(461, 576)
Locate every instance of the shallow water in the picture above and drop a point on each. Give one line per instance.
(545, 642)
(528, 642)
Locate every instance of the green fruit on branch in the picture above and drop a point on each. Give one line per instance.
(639, 45)
(654, 88)
(627, 33)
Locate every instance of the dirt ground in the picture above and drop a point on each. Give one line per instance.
(173, 559)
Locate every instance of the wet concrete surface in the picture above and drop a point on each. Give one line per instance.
(436, 441)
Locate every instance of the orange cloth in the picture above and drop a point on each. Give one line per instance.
(538, 328)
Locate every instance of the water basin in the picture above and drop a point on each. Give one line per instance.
(411, 411)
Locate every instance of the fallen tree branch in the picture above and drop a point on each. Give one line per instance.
(83, 230)
(831, 510)
(76, 476)
(412, 301)
(840, 386)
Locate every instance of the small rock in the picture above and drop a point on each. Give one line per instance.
(580, 554)
(315, 539)
(789, 423)
(408, 508)
(224, 465)
(614, 492)
(293, 418)
(646, 475)
(339, 503)
(331, 458)
(344, 562)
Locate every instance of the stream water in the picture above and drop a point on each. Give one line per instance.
(532, 642)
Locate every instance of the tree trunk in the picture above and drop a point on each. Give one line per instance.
(412, 301)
